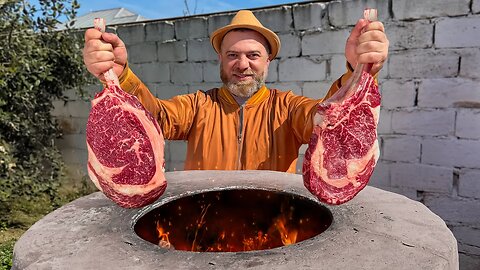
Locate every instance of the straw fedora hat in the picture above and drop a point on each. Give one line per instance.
(246, 19)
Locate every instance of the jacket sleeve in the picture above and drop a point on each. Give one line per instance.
(174, 116)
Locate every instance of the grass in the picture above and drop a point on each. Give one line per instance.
(28, 212)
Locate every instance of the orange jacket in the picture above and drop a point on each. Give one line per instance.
(263, 134)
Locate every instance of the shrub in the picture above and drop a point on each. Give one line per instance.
(37, 64)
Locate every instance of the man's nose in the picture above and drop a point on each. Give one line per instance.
(243, 63)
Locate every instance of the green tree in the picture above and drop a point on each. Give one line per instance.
(37, 64)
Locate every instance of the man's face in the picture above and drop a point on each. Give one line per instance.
(243, 62)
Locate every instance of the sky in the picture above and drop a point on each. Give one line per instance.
(161, 9)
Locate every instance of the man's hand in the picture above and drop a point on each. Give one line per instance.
(102, 52)
(367, 43)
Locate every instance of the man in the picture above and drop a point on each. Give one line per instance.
(243, 124)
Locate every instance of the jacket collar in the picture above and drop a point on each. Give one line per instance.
(258, 97)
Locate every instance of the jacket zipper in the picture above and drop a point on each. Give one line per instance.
(240, 136)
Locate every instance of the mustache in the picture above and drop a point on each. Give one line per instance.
(250, 72)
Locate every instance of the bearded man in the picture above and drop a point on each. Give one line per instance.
(242, 125)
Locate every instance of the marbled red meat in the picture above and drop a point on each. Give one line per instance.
(343, 149)
(125, 148)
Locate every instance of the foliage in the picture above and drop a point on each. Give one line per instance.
(37, 64)
(6, 250)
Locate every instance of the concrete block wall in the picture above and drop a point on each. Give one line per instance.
(429, 128)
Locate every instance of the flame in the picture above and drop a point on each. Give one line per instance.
(288, 237)
(228, 240)
(219, 244)
(255, 243)
(163, 236)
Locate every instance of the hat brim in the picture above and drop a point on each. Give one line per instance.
(272, 38)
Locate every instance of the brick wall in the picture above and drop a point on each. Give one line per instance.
(430, 117)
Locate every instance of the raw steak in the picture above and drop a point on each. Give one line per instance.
(125, 147)
(343, 149)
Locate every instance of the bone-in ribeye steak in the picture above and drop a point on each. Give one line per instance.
(125, 148)
(343, 149)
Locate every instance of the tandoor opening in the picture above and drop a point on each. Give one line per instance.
(233, 220)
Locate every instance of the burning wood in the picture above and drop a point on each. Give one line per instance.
(233, 221)
(279, 229)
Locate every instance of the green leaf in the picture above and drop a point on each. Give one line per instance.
(37, 65)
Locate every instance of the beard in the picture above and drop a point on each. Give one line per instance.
(244, 89)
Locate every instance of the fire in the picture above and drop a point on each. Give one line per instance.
(288, 237)
(163, 236)
(255, 243)
(235, 238)
(200, 224)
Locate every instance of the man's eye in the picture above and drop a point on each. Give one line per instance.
(254, 56)
(231, 55)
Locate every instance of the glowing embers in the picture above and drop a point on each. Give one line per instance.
(233, 220)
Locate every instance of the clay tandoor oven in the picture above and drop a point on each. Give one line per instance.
(239, 220)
